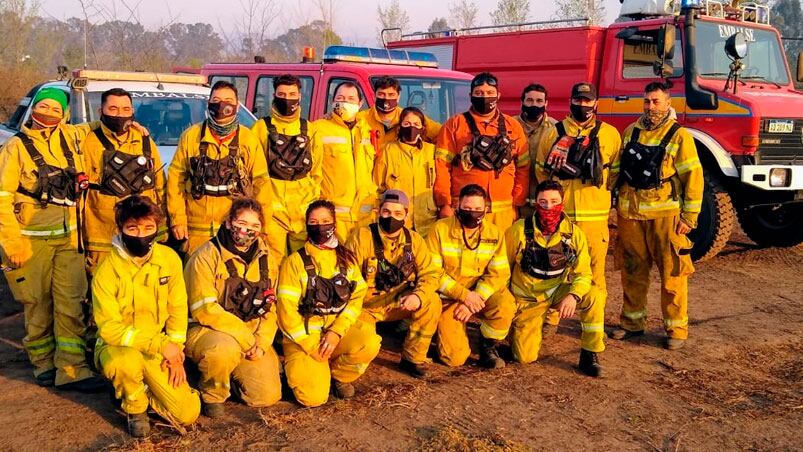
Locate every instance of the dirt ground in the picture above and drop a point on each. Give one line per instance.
(737, 385)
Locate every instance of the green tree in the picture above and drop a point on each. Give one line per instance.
(594, 10)
(464, 14)
(510, 12)
(787, 16)
(392, 16)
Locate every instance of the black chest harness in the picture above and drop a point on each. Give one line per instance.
(546, 263)
(388, 275)
(486, 152)
(325, 296)
(125, 174)
(247, 299)
(641, 165)
(289, 157)
(584, 158)
(221, 177)
(54, 185)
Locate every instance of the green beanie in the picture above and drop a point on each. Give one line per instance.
(53, 93)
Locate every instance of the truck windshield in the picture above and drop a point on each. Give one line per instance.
(167, 115)
(438, 98)
(764, 60)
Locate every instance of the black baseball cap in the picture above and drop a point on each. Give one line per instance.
(585, 90)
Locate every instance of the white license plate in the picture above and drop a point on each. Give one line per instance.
(781, 127)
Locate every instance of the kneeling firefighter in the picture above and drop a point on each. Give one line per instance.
(232, 304)
(41, 187)
(402, 279)
(320, 297)
(551, 269)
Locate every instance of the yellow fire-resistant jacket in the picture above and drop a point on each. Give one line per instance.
(347, 158)
(427, 276)
(583, 201)
(99, 219)
(483, 270)
(22, 217)
(292, 288)
(411, 170)
(681, 164)
(387, 134)
(204, 216)
(535, 133)
(290, 198)
(140, 305)
(527, 287)
(206, 276)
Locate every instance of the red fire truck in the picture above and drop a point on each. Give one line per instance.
(732, 89)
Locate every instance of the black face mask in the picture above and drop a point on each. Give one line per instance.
(470, 218)
(221, 110)
(117, 124)
(581, 113)
(532, 113)
(320, 233)
(410, 134)
(483, 105)
(138, 246)
(386, 105)
(286, 107)
(390, 225)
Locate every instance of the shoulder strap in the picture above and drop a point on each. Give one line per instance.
(500, 123)
(529, 230)
(669, 135)
(234, 144)
(269, 124)
(408, 238)
(303, 126)
(379, 248)
(309, 266)
(595, 131)
(634, 135)
(202, 145)
(232, 269)
(146, 147)
(472, 124)
(32, 151)
(561, 129)
(103, 140)
(65, 148)
(264, 271)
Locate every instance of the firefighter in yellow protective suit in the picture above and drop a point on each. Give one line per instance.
(284, 136)
(323, 338)
(471, 251)
(660, 182)
(342, 144)
(401, 277)
(140, 307)
(385, 117)
(408, 164)
(215, 161)
(579, 152)
(552, 269)
(120, 161)
(230, 285)
(41, 179)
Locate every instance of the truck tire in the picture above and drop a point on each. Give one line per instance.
(769, 226)
(715, 223)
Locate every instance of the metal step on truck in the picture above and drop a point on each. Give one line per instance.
(731, 87)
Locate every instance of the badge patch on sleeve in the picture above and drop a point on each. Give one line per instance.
(163, 280)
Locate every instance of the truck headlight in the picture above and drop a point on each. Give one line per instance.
(780, 177)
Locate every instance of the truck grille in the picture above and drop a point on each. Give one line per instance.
(780, 148)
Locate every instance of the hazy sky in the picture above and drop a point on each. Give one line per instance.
(354, 20)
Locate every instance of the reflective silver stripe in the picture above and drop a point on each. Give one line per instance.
(342, 209)
(6, 193)
(548, 273)
(216, 188)
(31, 233)
(334, 140)
(201, 302)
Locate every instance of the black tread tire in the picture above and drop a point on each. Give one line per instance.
(755, 224)
(716, 222)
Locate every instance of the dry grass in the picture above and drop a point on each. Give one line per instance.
(453, 440)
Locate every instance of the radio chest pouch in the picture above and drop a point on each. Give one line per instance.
(325, 296)
(486, 152)
(641, 164)
(546, 263)
(125, 174)
(289, 157)
(584, 158)
(388, 275)
(221, 177)
(246, 299)
(54, 185)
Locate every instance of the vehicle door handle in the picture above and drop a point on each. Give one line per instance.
(622, 98)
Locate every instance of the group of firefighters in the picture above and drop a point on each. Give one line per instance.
(322, 229)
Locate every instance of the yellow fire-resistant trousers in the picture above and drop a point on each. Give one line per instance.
(597, 234)
(220, 360)
(453, 346)
(139, 381)
(640, 243)
(502, 219)
(310, 379)
(283, 243)
(525, 335)
(51, 287)
(385, 308)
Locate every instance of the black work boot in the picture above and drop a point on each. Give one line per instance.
(214, 410)
(621, 334)
(91, 385)
(589, 364)
(46, 378)
(489, 356)
(413, 369)
(343, 390)
(139, 426)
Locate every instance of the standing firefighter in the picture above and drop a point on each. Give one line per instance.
(120, 162)
(401, 277)
(140, 307)
(660, 182)
(552, 269)
(284, 136)
(41, 183)
(486, 147)
(579, 152)
(215, 161)
(536, 122)
(471, 251)
(320, 297)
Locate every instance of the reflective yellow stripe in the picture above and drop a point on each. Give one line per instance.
(687, 165)
(41, 346)
(6, 193)
(492, 333)
(484, 290)
(48, 233)
(635, 315)
(655, 207)
(71, 345)
(200, 303)
(334, 140)
(592, 327)
(296, 333)
(447, 283)
(692, 206)
(669, 323)
(177, 337)
(498, 263)
(444, 154)
(128, 337)
(437, 260)
(288, 293)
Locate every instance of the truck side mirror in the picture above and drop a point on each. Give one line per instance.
(800, 66)
(665, 47)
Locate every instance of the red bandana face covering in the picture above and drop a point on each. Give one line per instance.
(548, 219)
